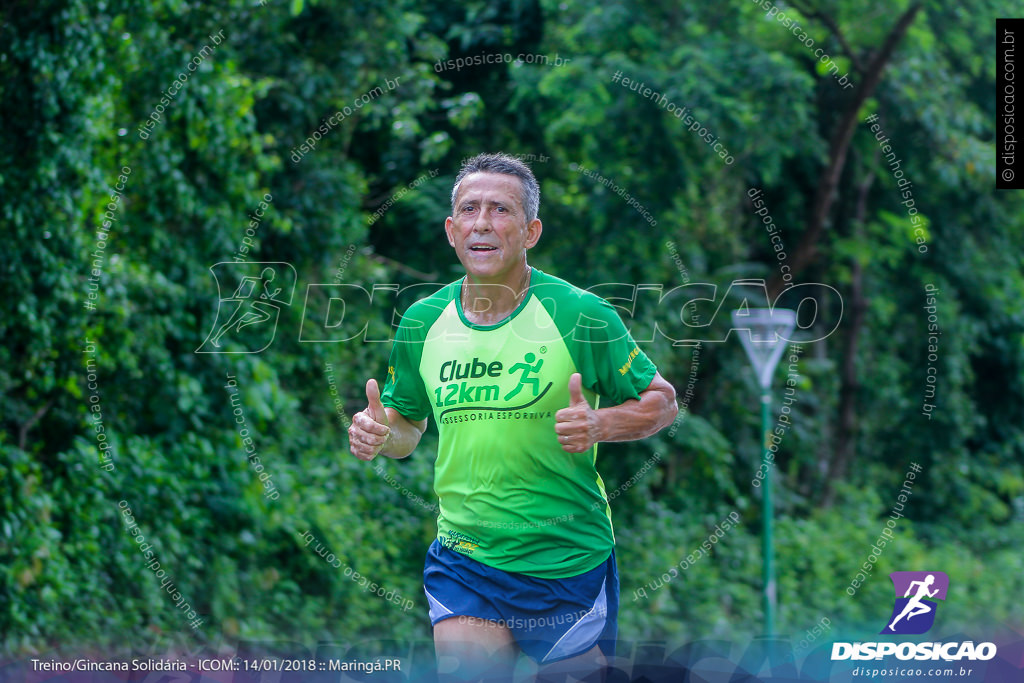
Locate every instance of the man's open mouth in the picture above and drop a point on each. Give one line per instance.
(482, 247)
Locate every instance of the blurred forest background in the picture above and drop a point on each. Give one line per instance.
(78, 79)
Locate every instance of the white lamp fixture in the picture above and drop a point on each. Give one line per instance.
(768, 332)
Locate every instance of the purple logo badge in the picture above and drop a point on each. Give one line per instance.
(916, 593)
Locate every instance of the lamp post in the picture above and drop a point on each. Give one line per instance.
(767, 334)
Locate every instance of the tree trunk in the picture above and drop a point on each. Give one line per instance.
(825, 194)
(849, 387)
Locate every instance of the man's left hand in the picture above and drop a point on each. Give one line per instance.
(578, 427)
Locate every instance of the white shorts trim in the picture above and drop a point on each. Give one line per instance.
(437, 610)
(584, 633)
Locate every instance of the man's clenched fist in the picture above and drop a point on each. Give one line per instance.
(369, 431)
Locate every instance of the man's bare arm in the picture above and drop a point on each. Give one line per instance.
(637, 419)
(405, 435)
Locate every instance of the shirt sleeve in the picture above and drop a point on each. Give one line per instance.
(403, 389)
(609, 360)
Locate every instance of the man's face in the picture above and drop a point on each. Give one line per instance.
(489, 230)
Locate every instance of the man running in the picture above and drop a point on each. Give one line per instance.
(513, 363)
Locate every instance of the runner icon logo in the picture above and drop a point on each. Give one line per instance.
(250, 298)
(916, 595)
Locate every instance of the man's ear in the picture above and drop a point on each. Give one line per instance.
(533, 231)
(448, 230)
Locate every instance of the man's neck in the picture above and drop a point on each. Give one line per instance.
(487, 303)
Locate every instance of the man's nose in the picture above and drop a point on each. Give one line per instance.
(483, 222)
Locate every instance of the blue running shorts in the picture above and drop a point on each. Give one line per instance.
(550, 619)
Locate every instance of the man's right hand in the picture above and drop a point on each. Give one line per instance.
(370, 430)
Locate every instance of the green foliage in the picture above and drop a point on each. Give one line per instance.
(78, 83)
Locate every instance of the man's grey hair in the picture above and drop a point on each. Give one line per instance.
(506, 165)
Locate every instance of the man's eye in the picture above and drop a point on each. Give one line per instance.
(467, 209)
(501, 209)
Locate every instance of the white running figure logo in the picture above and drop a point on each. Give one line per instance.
(915, 606)
(250, 309)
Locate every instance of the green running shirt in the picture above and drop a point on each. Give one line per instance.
(509, 496)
